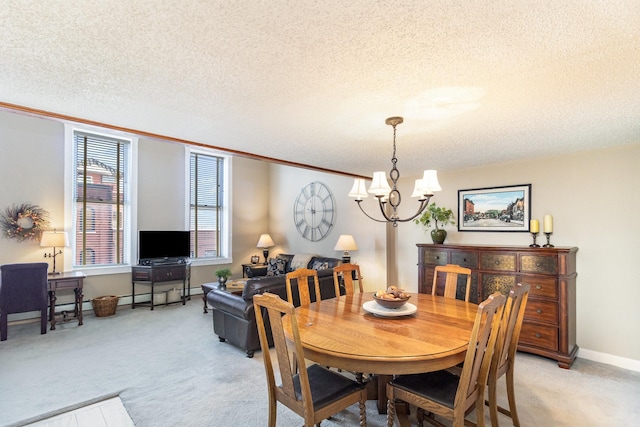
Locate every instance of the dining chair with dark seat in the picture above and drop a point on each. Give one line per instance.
(302, 276)
(445, 393)
(349, 274)
(505, 354)
(314, 393)
(451, 272)
(23, 288)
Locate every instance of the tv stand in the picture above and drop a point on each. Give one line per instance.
(151, 274)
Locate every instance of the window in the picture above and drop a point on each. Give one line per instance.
(100, 198)
(207, 210)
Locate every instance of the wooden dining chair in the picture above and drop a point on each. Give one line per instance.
(350, 275)
(449, 395)
(451, 272)
(505, 354)
(314, 393)
(302, 276)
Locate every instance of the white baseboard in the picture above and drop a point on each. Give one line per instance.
(610, 359)
(87, 306)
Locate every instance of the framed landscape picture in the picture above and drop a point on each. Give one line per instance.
(505, 208)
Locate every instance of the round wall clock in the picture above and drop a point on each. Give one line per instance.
(313, 211)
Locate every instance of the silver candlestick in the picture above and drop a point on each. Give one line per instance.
(548, 245)
(534, 244)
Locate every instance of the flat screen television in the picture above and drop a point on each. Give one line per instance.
(163, 245)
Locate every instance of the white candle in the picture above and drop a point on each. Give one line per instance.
(534, 227)
(548, 224)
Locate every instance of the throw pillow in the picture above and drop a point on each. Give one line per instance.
(275, 266)
(319, 265)
(300, 261)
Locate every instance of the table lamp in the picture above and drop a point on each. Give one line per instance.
(346, 243)
(265, 242)
(54, 239)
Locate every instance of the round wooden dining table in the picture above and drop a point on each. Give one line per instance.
(340, 333)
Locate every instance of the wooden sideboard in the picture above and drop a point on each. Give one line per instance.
(549, 327)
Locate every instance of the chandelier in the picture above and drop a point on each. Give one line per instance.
(424, 188)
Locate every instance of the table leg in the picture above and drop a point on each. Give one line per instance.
(52, 309)
(78, 307)
(383, 380)
(133, 295)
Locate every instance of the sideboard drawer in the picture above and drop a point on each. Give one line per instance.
(542, 287)
(541, 311)
(539, 264)
(539, 336)
(434, 257)
(501, 262)
(465, 259)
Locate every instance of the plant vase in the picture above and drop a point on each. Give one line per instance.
(438, 236)
(222, 282)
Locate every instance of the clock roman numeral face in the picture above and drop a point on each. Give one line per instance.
(313, 211)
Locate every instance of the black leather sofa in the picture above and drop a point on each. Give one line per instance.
(234, 318)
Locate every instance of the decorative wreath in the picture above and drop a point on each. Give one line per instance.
(24, 222)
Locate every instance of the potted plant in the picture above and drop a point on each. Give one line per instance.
(437, 216)
(223, 274)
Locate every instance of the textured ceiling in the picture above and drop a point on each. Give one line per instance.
(312, 82)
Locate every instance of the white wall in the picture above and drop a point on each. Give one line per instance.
(286, 183)
(594, 198)
(32, 171)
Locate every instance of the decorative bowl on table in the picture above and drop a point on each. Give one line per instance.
(391, 298)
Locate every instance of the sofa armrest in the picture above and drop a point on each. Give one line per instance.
(255, 270)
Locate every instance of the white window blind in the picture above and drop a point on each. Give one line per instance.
(205, 202)
(101, 200)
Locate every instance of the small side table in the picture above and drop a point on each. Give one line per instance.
(246, 267)
(232, 286)
(73, 280)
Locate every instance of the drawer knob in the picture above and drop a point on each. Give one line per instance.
(538, 335)
(538, 264)
(538, 287)
(464, 259)
(539, 311)
(497, 262)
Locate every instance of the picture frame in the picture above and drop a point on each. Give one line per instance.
(255, 259)
(495, 209)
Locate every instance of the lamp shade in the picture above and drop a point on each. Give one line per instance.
(55, 239)
(265, 241)
(379, 185)
(346, 242)
(359, 189)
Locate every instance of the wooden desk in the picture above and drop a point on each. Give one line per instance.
(73, 280)
(338, 332)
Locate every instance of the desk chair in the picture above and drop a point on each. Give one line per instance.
(505, 354)
(314, 393)
(23, 288)
(302, 276)
(445, 393)
(347, 272)
(451, 272)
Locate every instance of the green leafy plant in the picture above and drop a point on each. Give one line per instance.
(225, 273)
(435, 215)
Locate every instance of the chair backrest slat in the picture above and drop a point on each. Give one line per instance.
(301, 276)
(451, 272)
(349, 273)
(484, 335)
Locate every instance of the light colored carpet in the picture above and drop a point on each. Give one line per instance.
(169, 369)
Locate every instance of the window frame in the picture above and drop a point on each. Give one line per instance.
(224, 257)
(130, 220)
